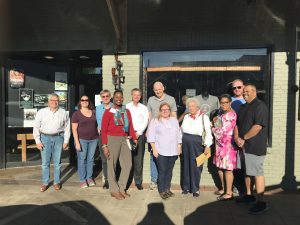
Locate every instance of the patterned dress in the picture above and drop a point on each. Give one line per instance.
(226, 152)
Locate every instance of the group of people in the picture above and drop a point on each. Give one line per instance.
(237, 130)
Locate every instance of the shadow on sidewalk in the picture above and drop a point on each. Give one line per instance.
(73, 212)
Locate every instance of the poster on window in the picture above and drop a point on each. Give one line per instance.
(16, 78)
(29, 117)
(25, 98)
(61, 81)
(63, 98)
(40, 100)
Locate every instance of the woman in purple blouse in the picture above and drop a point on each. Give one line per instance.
(165, 139)
(84, 128)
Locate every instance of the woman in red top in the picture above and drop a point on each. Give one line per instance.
(116, 128)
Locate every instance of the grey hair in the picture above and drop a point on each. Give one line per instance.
(53, 95)
(105, 91)
(193, 100)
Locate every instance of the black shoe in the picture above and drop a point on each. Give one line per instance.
(196, 195)
(184, 192)
(164, 195)
(106, 185)
(170, 193)
(139, 186)
(258, 208)
(246, 199)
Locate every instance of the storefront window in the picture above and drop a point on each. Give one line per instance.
(193, 72)
(27, 87)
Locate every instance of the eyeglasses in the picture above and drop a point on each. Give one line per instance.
(105, 96)
(51, 100)
(237, 87)
(165, 110)
(84, 100)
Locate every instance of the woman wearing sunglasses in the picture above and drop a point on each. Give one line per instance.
(84, 128)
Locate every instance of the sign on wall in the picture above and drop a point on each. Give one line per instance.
(25, 98)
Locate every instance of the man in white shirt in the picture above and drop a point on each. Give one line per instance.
(51, 132)
(140, 117)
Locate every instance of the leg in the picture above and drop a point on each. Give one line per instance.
(153, 167)
(260, 187)
(90, 158)
(221, 176)
(138, 160)
(229, 181)
(81, 160)
(103, 160)
(125, 164)
(114, 146)
(57, 148)
(46, 157)
(162, 169)
(169, 172)
(186, 164)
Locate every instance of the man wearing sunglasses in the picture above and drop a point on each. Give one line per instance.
(100, 109)
(237, 99)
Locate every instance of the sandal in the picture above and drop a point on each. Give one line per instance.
(219, 192)
(223, 198)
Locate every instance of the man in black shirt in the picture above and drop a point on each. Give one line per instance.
(251, 136)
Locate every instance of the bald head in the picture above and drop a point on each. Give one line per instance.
(249, 93)
(158, 89)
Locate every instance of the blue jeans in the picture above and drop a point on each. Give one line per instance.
(165, 166)
(86, 158)
(153, 168)
(52, 148)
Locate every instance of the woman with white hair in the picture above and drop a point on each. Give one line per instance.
(193, 125)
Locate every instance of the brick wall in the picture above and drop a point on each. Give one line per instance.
(275, 160)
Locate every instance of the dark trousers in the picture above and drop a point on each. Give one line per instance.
(138, 160)
(191, 148)
(165, 165)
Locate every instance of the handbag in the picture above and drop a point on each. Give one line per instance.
(203, 132)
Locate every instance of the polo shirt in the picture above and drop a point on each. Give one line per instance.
(154, 103)
(249, 114)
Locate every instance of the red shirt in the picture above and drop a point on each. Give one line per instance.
(108, 126)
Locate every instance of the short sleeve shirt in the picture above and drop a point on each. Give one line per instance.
(249, 114)
(154, 103)
(87, 126)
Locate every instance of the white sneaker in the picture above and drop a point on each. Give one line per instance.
(153, 186)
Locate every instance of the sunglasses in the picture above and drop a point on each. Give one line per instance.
(237, 87)
(105, 96)
(84, 100)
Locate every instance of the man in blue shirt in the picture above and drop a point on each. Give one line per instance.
(237, 99)
(100, 109)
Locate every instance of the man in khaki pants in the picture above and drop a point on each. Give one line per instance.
(116, 127)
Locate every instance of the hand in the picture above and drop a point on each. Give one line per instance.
(77, 147)
(206, 150)
(137, 135)
(240, 142)
(99, 131)
(179, 149)
(155, 153)
(106, 152)
(65, 146)
(215, 119)
(40, 146)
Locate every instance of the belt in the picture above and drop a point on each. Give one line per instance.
(55, 134)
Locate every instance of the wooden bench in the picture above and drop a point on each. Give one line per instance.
(24, 144)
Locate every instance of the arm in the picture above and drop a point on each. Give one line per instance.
(98, 117)
(208, 135)
(75, 135)
(154, 150)
(36, 130)
(254, 130)
(173, 108)
(145, 122)
(131, 130)
(182, 116)
(67, 131)
(104, 129)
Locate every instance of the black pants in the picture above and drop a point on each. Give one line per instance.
(191, 148)
(138, 160)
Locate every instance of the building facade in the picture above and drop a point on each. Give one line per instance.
(191, 47)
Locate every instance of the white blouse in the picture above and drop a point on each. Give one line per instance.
(194, 125)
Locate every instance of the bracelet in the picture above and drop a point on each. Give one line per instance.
(104, 146)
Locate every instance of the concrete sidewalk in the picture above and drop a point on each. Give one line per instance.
(22, 203)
